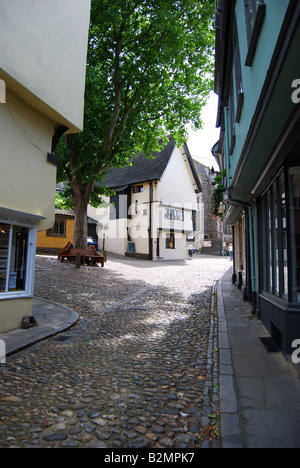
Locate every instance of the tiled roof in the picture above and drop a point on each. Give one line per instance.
(142, 169)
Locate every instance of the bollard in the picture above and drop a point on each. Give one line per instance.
(2, 352)
(77, 260)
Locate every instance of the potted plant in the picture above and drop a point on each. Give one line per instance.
(217, 198)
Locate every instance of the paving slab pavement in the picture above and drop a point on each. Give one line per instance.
(259, 391)
(52, 318)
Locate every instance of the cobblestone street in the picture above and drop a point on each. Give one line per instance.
(139, 369)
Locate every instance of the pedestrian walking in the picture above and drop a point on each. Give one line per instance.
(190, 251)
(231, 252)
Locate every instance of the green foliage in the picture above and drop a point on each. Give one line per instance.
(150, 69)
(63, 201)
(149, 73)
(217, 197)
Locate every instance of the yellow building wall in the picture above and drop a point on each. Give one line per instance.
(51, 242)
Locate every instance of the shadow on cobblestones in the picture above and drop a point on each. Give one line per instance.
(138, 370)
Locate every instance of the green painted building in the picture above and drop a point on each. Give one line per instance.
(257, 79)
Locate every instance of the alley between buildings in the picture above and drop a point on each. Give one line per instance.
(139, 369)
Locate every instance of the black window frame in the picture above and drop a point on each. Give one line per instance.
(171, 240)
(137, 189)
(231, 120)
(273, 234)
(56, 230)
(254, 21)
(174, 215)
(120, 205)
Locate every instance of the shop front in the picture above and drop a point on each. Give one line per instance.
(17, 258)
(279, 254)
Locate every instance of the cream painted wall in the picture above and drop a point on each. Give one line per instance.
(116, 236)
(43, 55)
(175, 189)
(176, 185)
(180, 251)
(27, 180)
(12, 311)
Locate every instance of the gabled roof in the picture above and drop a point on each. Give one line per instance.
(144, 170)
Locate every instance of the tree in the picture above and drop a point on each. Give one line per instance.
(149, 72)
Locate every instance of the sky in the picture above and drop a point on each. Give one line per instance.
(201, 142)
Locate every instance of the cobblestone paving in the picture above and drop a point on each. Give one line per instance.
(140, 368)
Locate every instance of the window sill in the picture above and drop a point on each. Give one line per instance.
(15, 295)
(56, 235)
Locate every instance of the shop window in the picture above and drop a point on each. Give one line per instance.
(14, 264)
(170, 241)
(281, 271)
(294, 199)
(274, 240)
(255, 11)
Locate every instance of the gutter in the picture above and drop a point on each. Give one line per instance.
(239, 202)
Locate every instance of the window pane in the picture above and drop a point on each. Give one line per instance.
(270, 243)
(252, 13)
(275, 239)
(282, 200)
(170, 241)
(18, 259)
(294, 182)
(252, 8)
(4, 247)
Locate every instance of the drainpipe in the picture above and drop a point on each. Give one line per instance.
(250, 215)
(150, 222)
(252, 260)
(226, 116)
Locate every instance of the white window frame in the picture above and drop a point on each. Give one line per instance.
(26, 220)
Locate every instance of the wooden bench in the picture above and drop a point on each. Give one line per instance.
(88, 256)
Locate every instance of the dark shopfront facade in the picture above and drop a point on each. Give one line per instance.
(278, 250)
(257, 79)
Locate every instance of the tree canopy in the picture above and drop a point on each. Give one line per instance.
(149, 72)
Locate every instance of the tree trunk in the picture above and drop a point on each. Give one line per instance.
(81, 197)
(80, 226)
